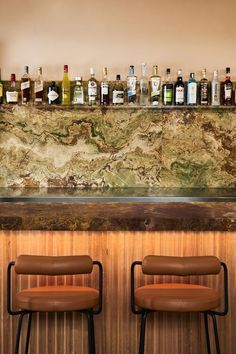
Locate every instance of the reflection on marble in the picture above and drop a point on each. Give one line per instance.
(117, 147)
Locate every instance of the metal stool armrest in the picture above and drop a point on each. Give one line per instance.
(226, 292)
(136, 312)
(99, 309)
(9, 291)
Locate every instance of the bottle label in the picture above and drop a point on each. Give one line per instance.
(215, 93)
(192, 93)
(79, 99)
(118, 97)
(52, 95)
(25, 85)
(38, 87)
(131, 86)
(12, 96)
(38, 100)
(228, 93)
(204, 92)
(104, 88)
(92, 90)
(168, 96)
(155, 86)
(1, 90)
(179, 95)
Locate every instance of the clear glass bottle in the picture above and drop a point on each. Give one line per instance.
(104, 94)
(65, 87)
(155, 83)
(25, 86)
(92, 89)
(215, 89)
(38, 88)
(53, 93)
(204, 89)
(144, 89)
(132, 86)
(192, 90)
(1, 89)
(118, 93)
(227, 89)
(12, 95)
(167, 90)
(78, 97)
(179, 90)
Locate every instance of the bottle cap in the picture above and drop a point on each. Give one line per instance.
(91, 71)
(105, 71)
(53, 83)
(227, 70)
(40, 70)
(65, 68)
(26, 69)
(168, 70)
(78, 78)
(204, 71)
(131, 69)
(13, 77)
(192, 75)
(118, 77)
(179, 72)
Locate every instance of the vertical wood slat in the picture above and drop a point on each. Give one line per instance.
(117, 329)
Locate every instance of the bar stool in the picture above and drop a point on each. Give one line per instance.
(58, 298)
(179, 297)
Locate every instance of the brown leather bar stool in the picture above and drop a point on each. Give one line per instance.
(179, 297)
(58, 298)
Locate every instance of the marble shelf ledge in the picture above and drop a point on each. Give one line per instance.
(118, 210)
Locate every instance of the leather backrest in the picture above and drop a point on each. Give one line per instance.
(165, 265)
(51, 265)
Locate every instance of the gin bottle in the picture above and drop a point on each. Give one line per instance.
(215, 90)
(144, 92)
(192, 90)
(155, 82)
(132, 86)
(78, 97)
(118, 92)
(92, 89)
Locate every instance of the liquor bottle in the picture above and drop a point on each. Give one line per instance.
(53, 93)
(92, 89)
(204, 89)
(11, 94)
(132, 86)
(104, 94)
(179, 90)
(1, 89)
(65, 87)
(192, 90)
(118, 93)
(215, 90)
(78, 97)
(167, 90)
(38, 88)
(155, 83)
(25, 86)
(144, 89)
(227, 89)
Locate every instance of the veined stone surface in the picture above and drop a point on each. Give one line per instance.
(51, 147)
(117, 147)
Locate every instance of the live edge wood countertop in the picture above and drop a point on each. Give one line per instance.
(131, 209)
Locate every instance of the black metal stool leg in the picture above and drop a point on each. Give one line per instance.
(215, 333)
(91, 339)
(18, 333)
(142, 332)
(28, 333)
(207, 333)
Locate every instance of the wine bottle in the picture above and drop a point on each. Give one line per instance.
(25, 86)
(65, 87)
(12, 95)
(38, 88)
(53, 93)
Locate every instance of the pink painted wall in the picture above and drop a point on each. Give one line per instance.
(187, 34)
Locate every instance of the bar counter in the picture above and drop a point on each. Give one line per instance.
(118, 209)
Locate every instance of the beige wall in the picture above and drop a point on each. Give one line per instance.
(188, 34)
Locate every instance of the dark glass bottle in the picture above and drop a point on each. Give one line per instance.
(118, 93)
(179, 90)
(12, 94)
(25, 86)
(104, 93)
(38, 88)
(53, 93)
(204, 90)
(1, 89)
(227, 89)
(167, 90)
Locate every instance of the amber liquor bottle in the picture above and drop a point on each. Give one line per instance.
(227, 90)
(25, 86)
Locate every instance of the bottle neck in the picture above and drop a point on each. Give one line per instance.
(13, 84)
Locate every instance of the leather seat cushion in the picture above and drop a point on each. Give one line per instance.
(57, 298)
(176, 297)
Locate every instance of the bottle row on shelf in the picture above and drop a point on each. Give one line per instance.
(145, 91)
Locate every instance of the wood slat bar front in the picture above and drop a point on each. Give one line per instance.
(117, 329)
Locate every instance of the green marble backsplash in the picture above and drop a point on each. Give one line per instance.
(117, 147)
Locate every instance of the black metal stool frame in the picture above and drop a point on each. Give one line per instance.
(22, 313)
(212, 314)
